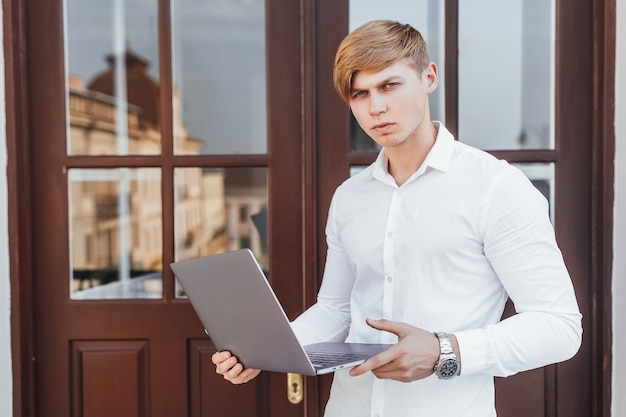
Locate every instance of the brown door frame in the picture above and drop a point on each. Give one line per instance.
(17, 91)
(602, 202)
(19, 208)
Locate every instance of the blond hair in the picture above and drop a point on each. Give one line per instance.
(373, 47)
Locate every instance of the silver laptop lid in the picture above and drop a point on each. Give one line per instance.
(240, 311)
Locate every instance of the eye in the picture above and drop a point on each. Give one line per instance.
(358, 94)
(389, 86)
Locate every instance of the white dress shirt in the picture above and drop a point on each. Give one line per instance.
(443, 252)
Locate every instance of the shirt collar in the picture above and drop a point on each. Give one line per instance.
(437, 158)
(440, 154)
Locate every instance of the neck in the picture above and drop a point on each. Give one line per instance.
(405, 159)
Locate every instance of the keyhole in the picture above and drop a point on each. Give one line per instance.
(294, 388)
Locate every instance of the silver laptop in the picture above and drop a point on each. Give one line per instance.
(241, 314)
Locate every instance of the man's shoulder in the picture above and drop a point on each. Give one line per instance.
(477, 160)
(360, 185)
(484, 171)
(359, 177)
(470, 151)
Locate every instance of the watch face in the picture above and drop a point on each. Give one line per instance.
(448, 369)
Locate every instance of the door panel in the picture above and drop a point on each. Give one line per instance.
(111, 377)
(210, 395)
(124, 353)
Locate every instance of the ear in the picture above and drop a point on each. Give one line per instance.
(432, 77)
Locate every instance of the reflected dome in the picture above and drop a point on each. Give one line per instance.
(141, 90)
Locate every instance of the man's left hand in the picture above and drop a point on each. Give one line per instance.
(412, 358)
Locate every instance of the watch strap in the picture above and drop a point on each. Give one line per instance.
(448, 365)
(445, 345)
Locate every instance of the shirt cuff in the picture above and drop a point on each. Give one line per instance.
(473, 350)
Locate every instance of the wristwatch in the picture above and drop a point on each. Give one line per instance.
(448, 366)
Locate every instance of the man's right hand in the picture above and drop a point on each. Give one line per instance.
(231, 369)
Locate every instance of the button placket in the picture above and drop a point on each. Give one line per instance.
(389, 256)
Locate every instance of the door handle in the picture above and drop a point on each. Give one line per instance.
(295, 388)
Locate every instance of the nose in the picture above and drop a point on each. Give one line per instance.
(377, 104)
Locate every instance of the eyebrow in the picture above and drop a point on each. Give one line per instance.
(387, 80)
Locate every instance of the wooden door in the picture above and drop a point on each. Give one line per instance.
(121, 187)
(577, 387)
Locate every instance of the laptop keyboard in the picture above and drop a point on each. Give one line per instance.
(320, 359)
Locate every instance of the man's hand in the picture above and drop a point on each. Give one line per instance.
(412, 358)
(231, 369)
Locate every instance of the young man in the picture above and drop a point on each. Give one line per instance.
(424, 248)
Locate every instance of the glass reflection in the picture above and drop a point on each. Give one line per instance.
(219, 74)
(542, 177)
(427, 16)
(220, 209)
(356, 169)
(115, 233)
(112, 66)
(506, 74)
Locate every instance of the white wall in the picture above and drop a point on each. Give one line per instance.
(6, 389)
(619, 237)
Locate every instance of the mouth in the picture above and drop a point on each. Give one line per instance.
(382, 127)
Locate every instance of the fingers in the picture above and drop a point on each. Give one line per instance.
(224, 363)
(247, 375)
(397, 364)
(219, 357)
(387, 356)
(395, 327)
(412, 358)
(375, 362)
(231, 369)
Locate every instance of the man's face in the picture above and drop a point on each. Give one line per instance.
(390, 105)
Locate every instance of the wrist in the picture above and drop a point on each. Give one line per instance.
(457, 351)
(448, 365)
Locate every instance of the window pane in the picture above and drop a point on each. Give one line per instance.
(115, 233)
(506, 74)
(219, 75)
(220, 209)
(356, 169)
(542, 177)
(113, 72)
(428, 17)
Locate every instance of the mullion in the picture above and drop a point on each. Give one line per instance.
(167, 145)
(452, 66)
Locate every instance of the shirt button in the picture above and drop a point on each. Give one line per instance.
(389, 279)
(389, 234)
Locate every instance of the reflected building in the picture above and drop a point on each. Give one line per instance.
(116, 214)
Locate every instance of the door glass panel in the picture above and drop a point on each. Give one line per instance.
(506, 74)
(356, 169)
(542, 177)
(112, 77)
(428, 17)
(220, 209)
(115, 233)
(219, 75)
